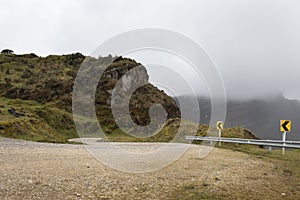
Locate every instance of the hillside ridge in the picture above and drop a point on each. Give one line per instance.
(40, 89)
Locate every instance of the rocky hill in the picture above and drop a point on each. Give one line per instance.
(43, 87)
(36, 96)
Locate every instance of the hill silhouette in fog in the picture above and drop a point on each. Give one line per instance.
(260, 115)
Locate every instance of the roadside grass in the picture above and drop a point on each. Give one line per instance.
(288, 164)
(287, 167)
(192, 192)
(290, 154)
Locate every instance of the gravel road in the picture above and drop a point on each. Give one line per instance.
(30, 170)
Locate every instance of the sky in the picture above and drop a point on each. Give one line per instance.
(254, 44)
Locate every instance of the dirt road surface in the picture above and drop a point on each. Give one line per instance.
(30, 170)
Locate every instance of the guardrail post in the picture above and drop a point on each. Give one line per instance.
(270, 148)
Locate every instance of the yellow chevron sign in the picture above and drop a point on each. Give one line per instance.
(219, 125)
(285, 125)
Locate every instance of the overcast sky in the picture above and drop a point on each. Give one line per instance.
(254, 43)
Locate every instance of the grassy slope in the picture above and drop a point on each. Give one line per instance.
(170, 129)
(47, 123)
(41, 122)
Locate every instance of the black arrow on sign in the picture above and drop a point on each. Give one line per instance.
(219, 125)
(284, 125)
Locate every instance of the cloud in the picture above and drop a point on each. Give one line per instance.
(254, 43)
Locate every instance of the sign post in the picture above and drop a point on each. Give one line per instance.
(283, 139)
(285, 126)
(220, 128)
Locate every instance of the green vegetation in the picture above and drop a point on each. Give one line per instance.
(287, 164)
(47, 83)
(170, 132)
(41, 123)
(191, 192)
(41, 89)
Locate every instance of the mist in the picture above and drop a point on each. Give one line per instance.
(253, 43)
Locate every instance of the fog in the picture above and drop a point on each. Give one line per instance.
(255, 44)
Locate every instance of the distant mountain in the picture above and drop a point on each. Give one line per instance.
(260, 115)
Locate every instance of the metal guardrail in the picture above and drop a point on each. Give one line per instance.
(257, 140)
(268, 143)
